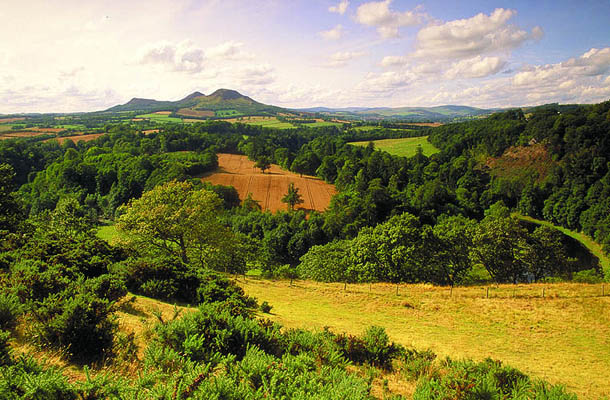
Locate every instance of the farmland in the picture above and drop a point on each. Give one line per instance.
(77, 138)
(563, 338)
(405, 147)
(269, 188)
(267, 122)
(160, 117)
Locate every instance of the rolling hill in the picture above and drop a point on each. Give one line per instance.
(221, 103)
(416, 114)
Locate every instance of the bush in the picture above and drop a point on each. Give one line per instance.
(373, 348)
(418, 363)
(5, 350)
(81, 325)
(26, 379)
(10, 309)
(266, 307)
(212, 330)
(587, 276)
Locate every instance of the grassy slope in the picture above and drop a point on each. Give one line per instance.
(405, 147)
(587, 241)
(563, 338)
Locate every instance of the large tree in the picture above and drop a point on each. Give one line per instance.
(178, 221)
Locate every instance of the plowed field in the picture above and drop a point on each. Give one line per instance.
(269, 188)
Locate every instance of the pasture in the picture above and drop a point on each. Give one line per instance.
(160, 118)
(563, 337)
(269, 188)
(404, 147)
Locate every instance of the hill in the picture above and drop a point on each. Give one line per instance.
(416, 114)
(221, 103)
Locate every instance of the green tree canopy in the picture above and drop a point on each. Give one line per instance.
(178, 221)
(292, 197)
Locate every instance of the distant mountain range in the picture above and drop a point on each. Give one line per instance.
(226, 103)
(438, 113)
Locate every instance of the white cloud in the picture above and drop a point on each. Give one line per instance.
(393, 61)
(467, 38)
(333, 34)
(183, 56)
(386, 82)
(476, 67)
(255, 75)
(341, 58)
(595, 62)
(339, 8)
(230, 50)
(387, 21)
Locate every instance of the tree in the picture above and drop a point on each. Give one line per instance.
(263, 163)
(453, 240)
(500, 244)
(177, 221)
(292, 197)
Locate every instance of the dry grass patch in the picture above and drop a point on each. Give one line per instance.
(563, 337)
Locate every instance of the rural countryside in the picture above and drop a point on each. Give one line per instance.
(305, 199)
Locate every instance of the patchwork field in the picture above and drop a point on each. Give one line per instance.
(187, 112)
(405, 147)
(269, 122)
(77, 138)
(269, 188)
(563, 338)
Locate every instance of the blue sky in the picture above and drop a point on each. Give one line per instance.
(74, 55)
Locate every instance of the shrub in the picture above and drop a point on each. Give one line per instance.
(82, 325)
(417, 363)
(373, 347)
(587, 276)
(10, 309)
(26, 379)
(5, 350)
(266, 307)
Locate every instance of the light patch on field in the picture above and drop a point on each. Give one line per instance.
(405, 147)
(269, 188)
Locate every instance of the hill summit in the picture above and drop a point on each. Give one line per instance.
(221, 103)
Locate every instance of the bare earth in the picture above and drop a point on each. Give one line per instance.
(269, 188)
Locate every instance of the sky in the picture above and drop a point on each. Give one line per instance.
(86, 55)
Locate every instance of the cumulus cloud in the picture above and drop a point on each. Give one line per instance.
(595, 62)
(476, 67)
(387, 21)
(467, 38)
(393, 61)
(333, 34)
(229, 51)
(386, 82)
(183, 56)
(262, 74)
(341, 58)
(339, 8)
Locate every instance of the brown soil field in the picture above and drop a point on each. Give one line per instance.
(137, 119)
(187, 112)
(269, 188)
(9, 120)
(77, 138)
(22, 134)
(163, 112)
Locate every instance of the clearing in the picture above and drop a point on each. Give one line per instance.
(269, 188)
(521, 162)
(404, 147)
(563, 337)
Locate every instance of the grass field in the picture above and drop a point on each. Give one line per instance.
(563, 337)
(587, 241)
(162, 118)
(318, 124)
(405, 147)
(269, 122)
(108, 233)
(228, 113)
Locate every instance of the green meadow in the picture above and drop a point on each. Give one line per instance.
(404, 147)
